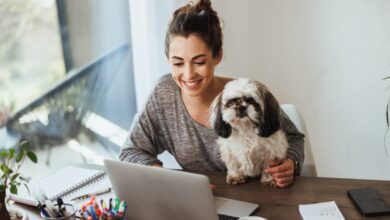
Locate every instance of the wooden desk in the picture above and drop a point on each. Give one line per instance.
(277, 203)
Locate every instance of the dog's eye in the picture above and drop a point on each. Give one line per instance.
(231, 102)
(249, 100)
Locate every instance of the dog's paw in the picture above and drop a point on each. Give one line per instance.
(271, 183)
(234, 180)
(268, 180)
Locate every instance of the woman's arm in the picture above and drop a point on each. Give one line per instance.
(295, 141)
(284, 171)
(142, 145)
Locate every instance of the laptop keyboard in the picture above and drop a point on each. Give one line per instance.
(227, 217)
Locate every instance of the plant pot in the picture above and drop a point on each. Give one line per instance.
(17, 214)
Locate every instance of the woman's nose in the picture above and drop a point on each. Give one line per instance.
(188, 71)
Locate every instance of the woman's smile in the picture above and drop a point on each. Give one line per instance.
(192, 84)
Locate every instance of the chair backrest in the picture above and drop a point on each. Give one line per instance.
(308, 168)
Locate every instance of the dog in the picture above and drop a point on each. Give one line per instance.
(246, 117)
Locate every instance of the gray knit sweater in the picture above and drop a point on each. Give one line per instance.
(165, 124)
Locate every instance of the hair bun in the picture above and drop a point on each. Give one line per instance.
(200, 19)
(204, 5)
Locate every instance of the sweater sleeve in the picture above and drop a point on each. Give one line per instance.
(295, 139)
(142, 145)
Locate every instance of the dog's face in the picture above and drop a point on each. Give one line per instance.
(244, 103)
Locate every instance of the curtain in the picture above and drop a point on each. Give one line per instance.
(149, 21)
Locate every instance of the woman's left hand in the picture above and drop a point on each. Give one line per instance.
(282, 172)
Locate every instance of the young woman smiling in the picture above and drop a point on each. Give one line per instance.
(176, 115)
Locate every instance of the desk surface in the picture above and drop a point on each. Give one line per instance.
(277, 203)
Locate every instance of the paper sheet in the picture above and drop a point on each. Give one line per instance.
(323, 210)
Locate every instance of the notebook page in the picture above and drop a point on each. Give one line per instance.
(65, 179)
(98, 185)
(323, 210)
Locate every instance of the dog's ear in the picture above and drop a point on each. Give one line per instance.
(221, 127)
(271, 120)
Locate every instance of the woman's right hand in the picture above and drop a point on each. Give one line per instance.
(156, 165)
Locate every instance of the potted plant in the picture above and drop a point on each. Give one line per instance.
(11, 178)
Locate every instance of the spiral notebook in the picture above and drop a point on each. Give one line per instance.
(65, 183)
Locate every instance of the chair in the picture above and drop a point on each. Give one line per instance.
(308, 168)
(58, 115)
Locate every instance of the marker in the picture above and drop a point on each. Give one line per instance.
(51, 209)
(117, 201)
(60, 203)
(44, 212)
(122, 207)
(91, 209)
(110, 205)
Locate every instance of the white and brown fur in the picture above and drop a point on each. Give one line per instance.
(246, 116)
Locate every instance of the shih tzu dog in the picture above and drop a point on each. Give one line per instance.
(246, 117)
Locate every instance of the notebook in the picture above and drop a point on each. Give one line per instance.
(66, 183)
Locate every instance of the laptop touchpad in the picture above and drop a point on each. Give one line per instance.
(234, 207)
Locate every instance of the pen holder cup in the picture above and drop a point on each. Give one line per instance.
(70, 209)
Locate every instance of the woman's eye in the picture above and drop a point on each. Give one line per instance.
(200, 63)
(178, 64)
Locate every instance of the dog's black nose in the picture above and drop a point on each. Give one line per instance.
(241, 112)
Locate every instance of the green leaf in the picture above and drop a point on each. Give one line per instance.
(6, 170)
(3, 167)
(2, 187)
(19, 156)
(28, 190)
(13, 178)
(32, 156)
(14, 189)
(387, 77)
(24, 145)
(3, 154)
(11, 152)
(25, 179)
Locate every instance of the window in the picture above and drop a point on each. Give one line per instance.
(31, 58)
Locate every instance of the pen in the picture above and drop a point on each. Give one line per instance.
(44, 212)
(60, 203)
(85, 196)
(93, 214)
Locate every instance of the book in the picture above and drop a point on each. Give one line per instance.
(65, 183)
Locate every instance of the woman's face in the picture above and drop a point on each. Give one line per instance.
(192, 64)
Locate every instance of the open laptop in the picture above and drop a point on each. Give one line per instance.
(158, 193)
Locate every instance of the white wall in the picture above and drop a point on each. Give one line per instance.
(327, 57)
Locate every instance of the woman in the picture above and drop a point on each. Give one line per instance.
(176, 116)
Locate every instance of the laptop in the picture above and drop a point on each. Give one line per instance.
(159, 193)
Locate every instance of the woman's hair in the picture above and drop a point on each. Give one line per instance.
(199, 19)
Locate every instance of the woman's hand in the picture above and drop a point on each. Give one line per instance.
(282, 172)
